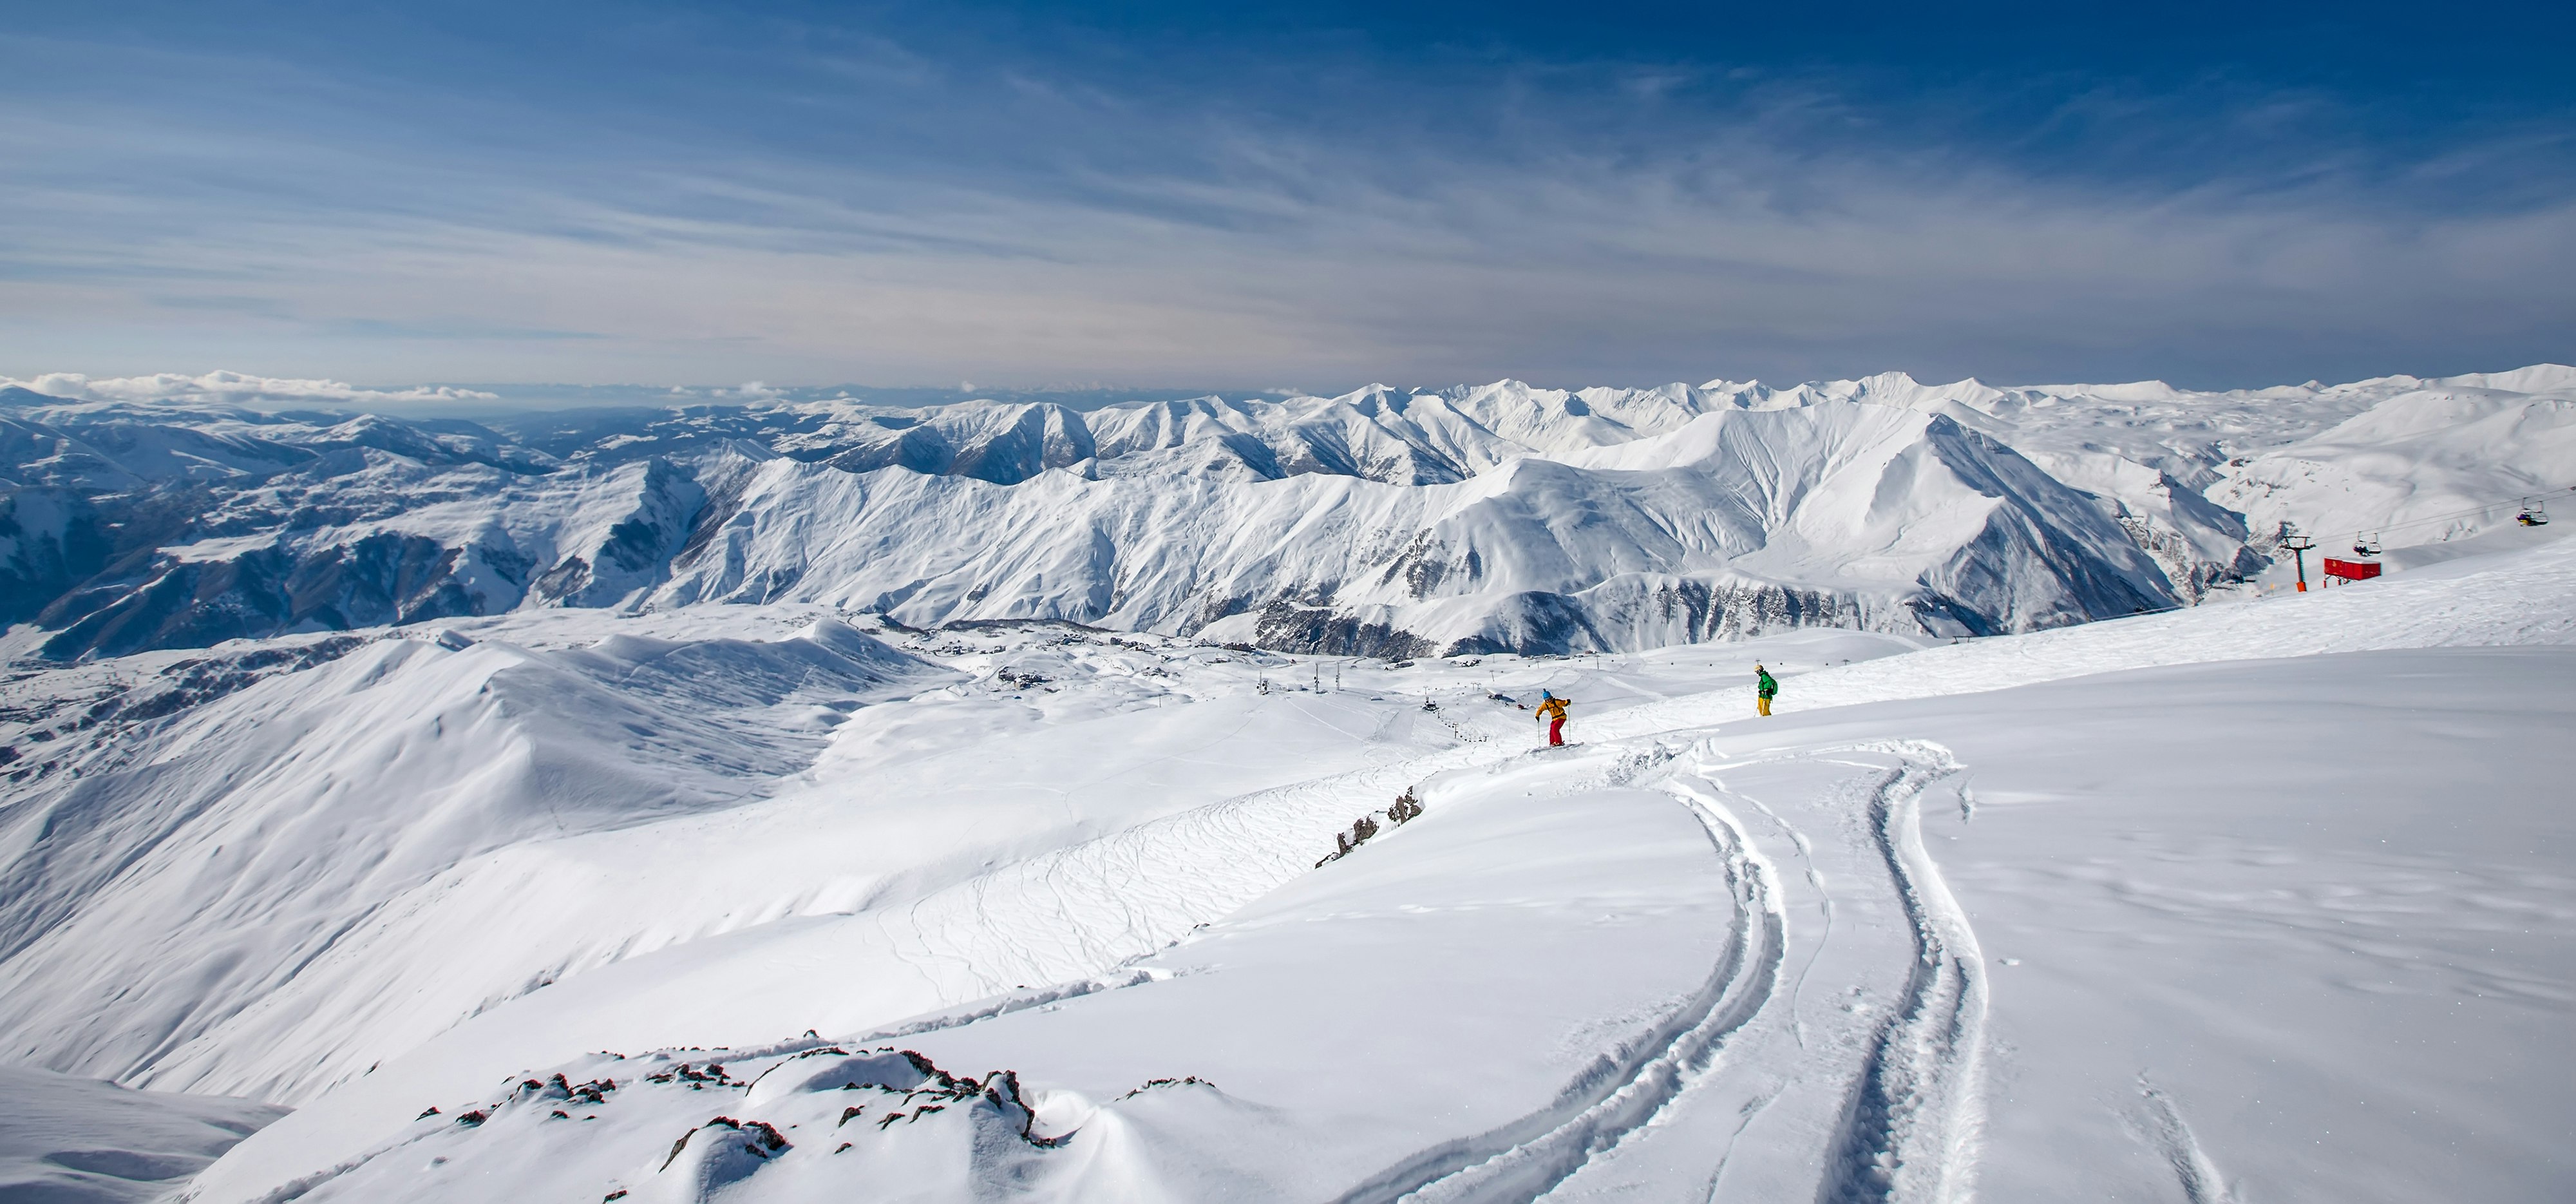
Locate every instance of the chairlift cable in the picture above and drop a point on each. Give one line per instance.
(2459, 514)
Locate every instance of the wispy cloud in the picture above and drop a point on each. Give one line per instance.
(234, 388)
(868, 209)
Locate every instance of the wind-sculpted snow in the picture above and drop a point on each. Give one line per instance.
(1380, 521)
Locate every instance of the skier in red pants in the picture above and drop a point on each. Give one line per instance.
(1552, 709)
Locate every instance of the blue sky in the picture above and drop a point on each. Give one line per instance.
(1314, 195)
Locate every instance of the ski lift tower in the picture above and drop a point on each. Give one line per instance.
(2298, 545)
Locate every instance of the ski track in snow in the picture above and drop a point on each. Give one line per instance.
(1910, 1133)
(1062, 924)
(1910, 1124)
(2198, 1177)
(1059, 925)
(1824, 901)
(1625, 1089)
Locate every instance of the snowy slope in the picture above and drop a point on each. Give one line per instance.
(222, 875)
(993, 862)
(1880, 949)
(2324, 957)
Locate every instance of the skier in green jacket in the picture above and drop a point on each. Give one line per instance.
(1764, 686)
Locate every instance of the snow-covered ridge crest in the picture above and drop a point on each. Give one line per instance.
(1492, 516)
(1863, 514)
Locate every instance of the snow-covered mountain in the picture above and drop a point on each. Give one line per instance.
(1496, 517)
(597, 814)
(1738, 522)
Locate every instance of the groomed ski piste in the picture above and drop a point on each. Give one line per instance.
(2262, 900)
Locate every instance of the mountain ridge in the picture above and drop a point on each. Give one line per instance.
(128, 525)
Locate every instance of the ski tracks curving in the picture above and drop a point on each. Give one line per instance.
(1858, 1076)
(1624, 1089)
(2199, 1178)
(1905, 1127)
(1911, 1128)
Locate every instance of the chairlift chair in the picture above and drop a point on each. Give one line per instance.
(2366, 545)
(2533, 514)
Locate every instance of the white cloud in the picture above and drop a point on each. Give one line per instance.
(232, 387)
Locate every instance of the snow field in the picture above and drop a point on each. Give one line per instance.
(922, 945)
(2324, 955)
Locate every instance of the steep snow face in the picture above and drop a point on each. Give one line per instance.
(2199, 545)
(1737, 523)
